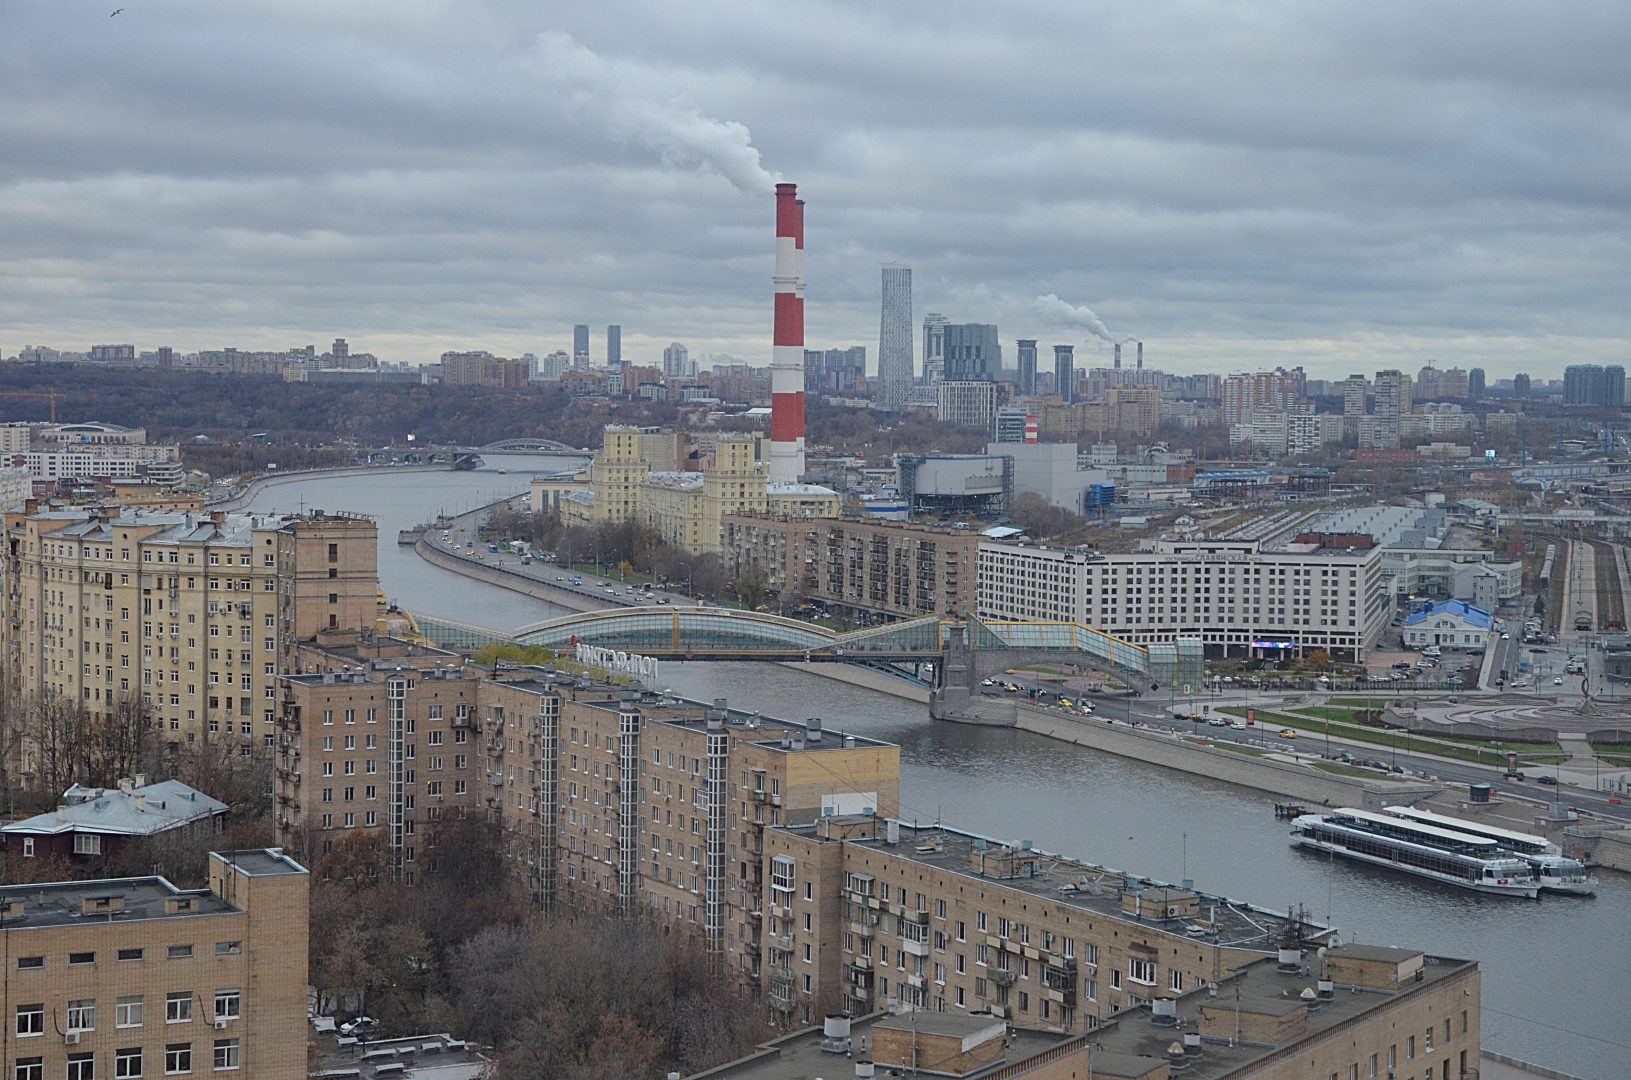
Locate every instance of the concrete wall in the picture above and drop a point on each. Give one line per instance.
(1602, 845)
(1158, 748)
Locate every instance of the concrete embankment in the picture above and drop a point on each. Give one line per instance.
(1300, 782)
(246, 495)
(573, 600)
(1600, 845)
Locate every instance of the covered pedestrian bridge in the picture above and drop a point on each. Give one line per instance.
(922, 646)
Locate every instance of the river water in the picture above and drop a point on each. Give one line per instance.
(1556, 971)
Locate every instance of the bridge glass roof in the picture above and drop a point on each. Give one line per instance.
(679, 630)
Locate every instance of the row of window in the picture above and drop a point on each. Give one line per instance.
(171, 952)
(129, 1062)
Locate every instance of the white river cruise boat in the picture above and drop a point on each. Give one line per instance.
(1555, 871)
(1429, 851)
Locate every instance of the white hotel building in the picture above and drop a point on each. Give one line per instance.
(1239, 599)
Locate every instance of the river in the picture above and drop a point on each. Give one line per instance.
(1554, 979)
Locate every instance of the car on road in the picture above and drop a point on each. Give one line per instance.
(988, 682)
(362, 1025)
(1512, 774)
(662, 599)
(1287, 733)
(1237, 725)
(1218, 721)
(1557, 680)
(1549, 781)
(1012, 688)
(1505, 636)
(1066, 703)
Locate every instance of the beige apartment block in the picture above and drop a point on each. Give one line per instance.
(605, 796)
(196, 613)
(685, 508)
(133, 977)
(864, 913)
(855, 566)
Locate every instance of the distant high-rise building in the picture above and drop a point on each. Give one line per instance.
(838, 371)
(972, 351)
(1027, 366)
(1245, 391)
(895, 337)
(1475, 384)
(614, 346)
(112, 354)
(340, 351)
(676, 361)
(580, 346)
(1354, 390)
(1392, 402)
(1594, 385)
(1064, 372)
(968, 403)
(1520, 385)
(934, 338)
(167, 356)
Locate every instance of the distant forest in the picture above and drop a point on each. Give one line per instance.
(175, 406)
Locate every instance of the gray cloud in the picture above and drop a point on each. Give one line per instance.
(1337, 185)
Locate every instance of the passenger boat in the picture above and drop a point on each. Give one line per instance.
(1455, 858)
(1555, 871)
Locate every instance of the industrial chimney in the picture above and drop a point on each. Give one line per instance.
(787, 354)
(1141, 356)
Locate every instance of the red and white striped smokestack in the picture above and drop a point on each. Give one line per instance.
(1141, 356)
(787, 351)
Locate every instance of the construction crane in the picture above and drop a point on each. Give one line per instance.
(52, 394)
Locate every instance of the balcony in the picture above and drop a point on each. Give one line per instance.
(861, 963)
(914, 948)
(1001, 976)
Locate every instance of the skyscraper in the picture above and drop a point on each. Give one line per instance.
(1064, 372)
(934, 338)
(676, 361)
(1475, 384)
(1354, 388)
(895, 338)
(580, 346)
(1520, 385)
(1392, 402)
(972, 351)
(614, 346)
(1027, 366)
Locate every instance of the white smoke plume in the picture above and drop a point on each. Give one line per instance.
(676, 129)
(1051, 307)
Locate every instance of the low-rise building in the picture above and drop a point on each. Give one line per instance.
(1453, 624)
(133, 977)
(858, 567)
(92, 826)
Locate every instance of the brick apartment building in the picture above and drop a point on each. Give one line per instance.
(855, 567)
(196, 613)
(133, 977)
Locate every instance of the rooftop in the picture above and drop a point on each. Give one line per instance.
(1100, 889)
(124, 811)
(416, 1057)
(260, 862)
(1459, 609)
(31, 907)
(810, 1055)
(1259, 988)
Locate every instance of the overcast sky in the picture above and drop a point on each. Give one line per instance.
(1347, 186)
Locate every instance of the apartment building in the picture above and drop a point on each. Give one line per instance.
(1238, 597)
(858, 567)
(865, 913)
(197, 613)
(604, 795)
(1355, 1012)
(685, 508)
(133, 977)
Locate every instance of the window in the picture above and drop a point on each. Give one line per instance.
(178, 1058)
(28, 847)
(29, 1069)
(1175, 981)
(30, 1020)
(127, 1064)
(81, 1067)
(82, 1015)
(128, 1012)
(81, 958)
(226, 1003)
(87, 843)
(1141, 971)
(179, 952)
(130, 954)
(228, 948)
(226, 1053)
(178, 1008)
(24, 963)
